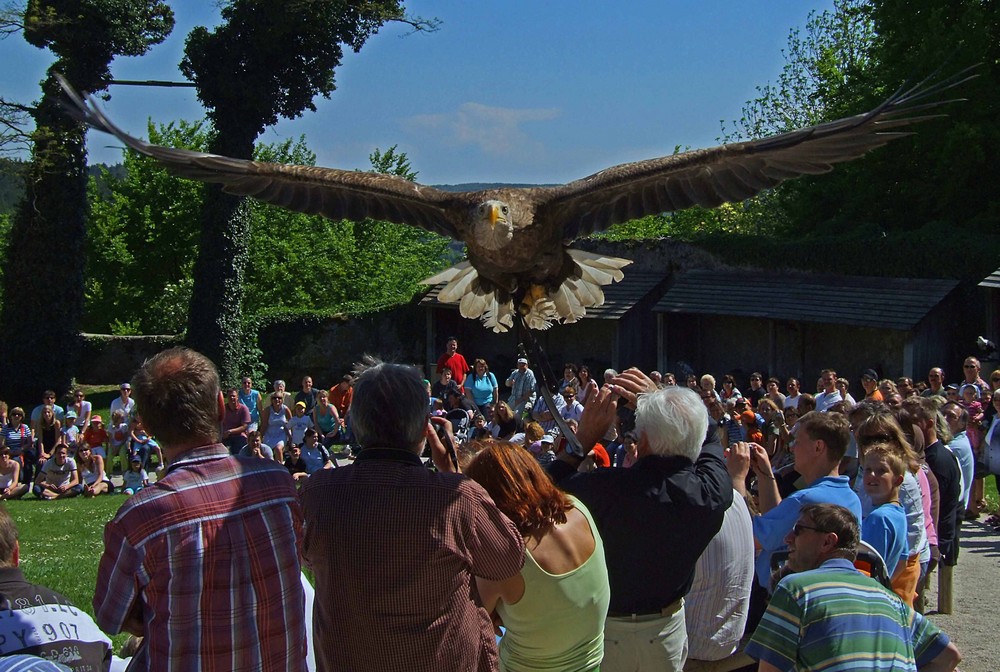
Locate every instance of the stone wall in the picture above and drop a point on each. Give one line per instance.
(109, 360)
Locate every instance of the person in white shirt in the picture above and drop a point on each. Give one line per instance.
(830, 394)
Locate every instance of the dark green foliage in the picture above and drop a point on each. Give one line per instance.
(11, 184)
(43, 280)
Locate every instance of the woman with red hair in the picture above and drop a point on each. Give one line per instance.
(554, 610)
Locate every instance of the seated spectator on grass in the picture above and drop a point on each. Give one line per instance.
(274, 425)
(70, 431)
(144, 446)
(58, 477)
(296, 466)
(253, 400)
(314, 454)
(307, 395)
(119, 441)
(554, 609)
(48, 399)
(91, 475)
(81, 408)
(41, 622)
(235, 421)
(805, 622)
(47, 431)
(135, 478)
(299, 423)
(256, 448)
(326, 420)
(96, 436)
(10, 476)
(342, 394)
(18, 437)
(124, 402)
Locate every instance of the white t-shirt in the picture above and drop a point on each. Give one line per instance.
(56, 474)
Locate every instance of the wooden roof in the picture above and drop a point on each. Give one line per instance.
(887, 303)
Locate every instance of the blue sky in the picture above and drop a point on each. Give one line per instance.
(514, 91)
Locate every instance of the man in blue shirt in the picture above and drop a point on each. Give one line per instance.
(820, 444)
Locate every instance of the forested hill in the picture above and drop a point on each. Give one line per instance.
(11, 172)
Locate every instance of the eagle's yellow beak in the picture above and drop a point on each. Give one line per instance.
(494, 215)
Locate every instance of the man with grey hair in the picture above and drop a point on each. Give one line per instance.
(395, 547)
(656, 518)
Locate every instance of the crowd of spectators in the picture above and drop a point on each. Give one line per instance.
(718, 479)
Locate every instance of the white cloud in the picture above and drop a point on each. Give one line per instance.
(496, 131)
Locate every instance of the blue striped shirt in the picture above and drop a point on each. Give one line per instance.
(836, 619)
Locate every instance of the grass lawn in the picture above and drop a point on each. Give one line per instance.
(61, 544)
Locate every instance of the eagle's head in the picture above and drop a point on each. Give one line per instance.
(492, 224)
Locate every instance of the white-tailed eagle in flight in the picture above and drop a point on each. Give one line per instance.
(517, 238)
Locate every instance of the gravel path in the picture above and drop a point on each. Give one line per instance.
(974, 624)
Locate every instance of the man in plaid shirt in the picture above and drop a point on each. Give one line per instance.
(204, 563)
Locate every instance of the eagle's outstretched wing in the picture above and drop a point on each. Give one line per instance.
(710, 177)
(337, 194)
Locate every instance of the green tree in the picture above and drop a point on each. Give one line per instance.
(392, 162)
(43, 282)
(265, 60)
(143, 237)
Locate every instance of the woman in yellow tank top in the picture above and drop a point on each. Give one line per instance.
(554, 610)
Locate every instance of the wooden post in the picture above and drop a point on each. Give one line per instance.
(945, 575)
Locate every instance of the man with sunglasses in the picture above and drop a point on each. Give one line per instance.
(970, 369)
(48, 399)
(827, 596)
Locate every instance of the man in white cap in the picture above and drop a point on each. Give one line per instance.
(521, 382)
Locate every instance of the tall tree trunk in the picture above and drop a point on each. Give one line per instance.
(215, 321)
(43, 281)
